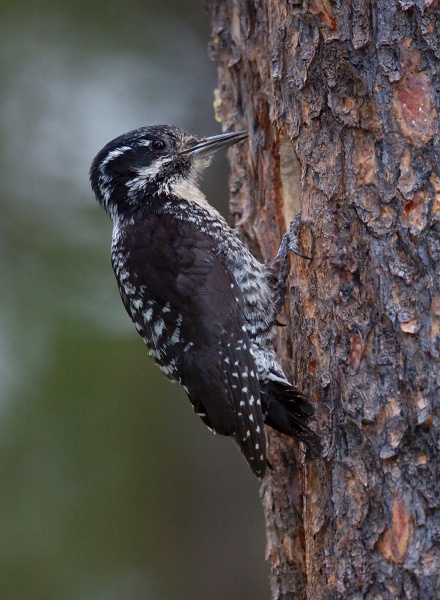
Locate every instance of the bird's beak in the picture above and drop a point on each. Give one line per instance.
(209, 145)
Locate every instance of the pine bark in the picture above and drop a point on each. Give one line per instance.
(341, 101)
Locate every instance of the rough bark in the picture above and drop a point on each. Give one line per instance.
(341, 101)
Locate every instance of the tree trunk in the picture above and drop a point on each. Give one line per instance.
(341, 103)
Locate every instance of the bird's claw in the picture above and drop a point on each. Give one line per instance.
(290, 241)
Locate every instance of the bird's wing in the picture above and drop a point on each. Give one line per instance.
(190, 312)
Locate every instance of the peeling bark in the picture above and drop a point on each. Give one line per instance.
(341, 101)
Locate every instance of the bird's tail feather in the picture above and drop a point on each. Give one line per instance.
(287, 410)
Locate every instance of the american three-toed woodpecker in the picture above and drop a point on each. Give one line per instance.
(204, 306)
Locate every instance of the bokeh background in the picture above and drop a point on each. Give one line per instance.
(110, 487)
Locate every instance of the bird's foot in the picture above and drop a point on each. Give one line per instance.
(290, 241)
(289, 244)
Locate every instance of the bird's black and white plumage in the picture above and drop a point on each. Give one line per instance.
(204, 306)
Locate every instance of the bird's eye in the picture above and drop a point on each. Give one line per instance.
(159, 145)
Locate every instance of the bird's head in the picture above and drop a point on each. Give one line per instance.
(150, 162)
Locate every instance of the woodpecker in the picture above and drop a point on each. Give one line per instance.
(204, 306)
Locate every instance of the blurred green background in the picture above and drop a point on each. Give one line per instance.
(111, 487)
